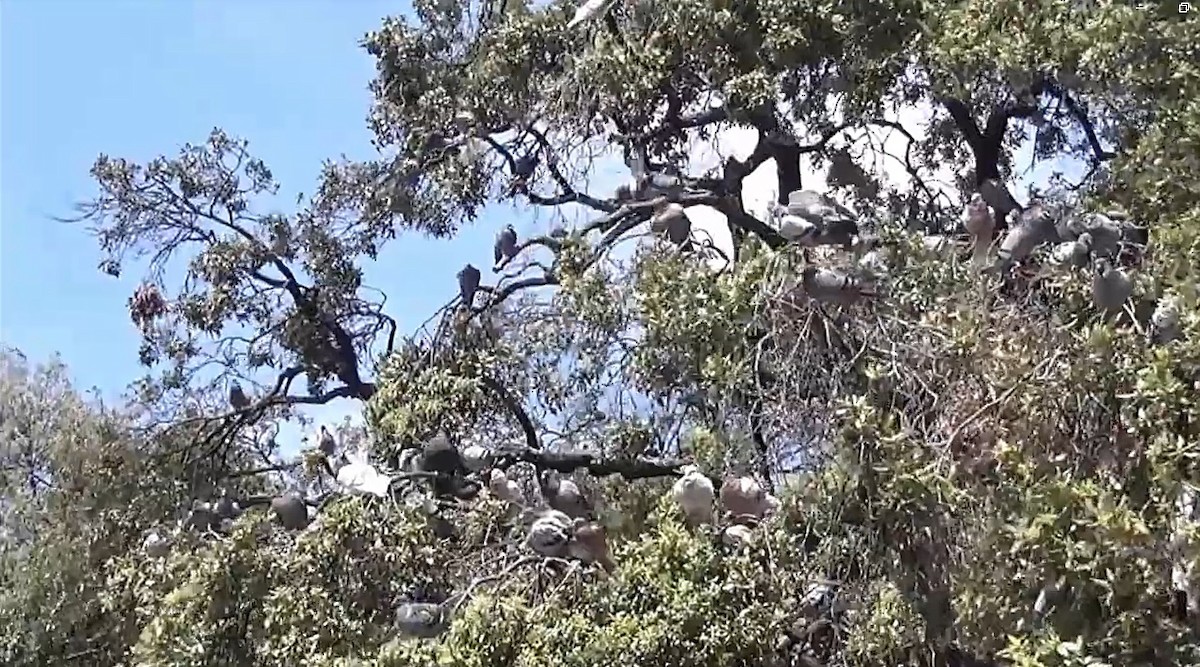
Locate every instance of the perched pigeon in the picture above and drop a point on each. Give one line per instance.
(550, 533)
(237, 398)
(980, 225)
(325, 442)
(291, 511)
(503, 487)
(201, 516)
(156, 545)
(694, 493)
(590, 544)
(423, 620)
(836, 224)
(737, 536)
(1111, 287)
(476, 458)
(743, 499)
(1073, 253)
(588, 10)
(1034, 225)
(672, 219)
(358, 477)
(1164, 322)
(564, 495)
(505, 247)
(468, 284)
(832, 285)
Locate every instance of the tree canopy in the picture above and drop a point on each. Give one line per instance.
(971, 446)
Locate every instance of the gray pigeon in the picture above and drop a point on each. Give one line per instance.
(1074, 253)
(1164, 323)
(564, 495)
(468, 284)
(1111, 287)
(291, 511)
(836, 224)
(832, 285)
(423, 620)
(506, 246)
(672, 219)
(1033, 226)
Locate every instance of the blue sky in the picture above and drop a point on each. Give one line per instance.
(136, 78)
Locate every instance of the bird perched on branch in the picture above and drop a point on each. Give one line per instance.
(156, 544)
(325, 442)
(980, 225)
(833, 286)
(737, 536)
(503, 487)
(671, 218)
(835, 224)
(550, 532)
(1034, 225)
(1111, 287)
(1164, 322)
(589, 543)
(441, 457)
(505, 247)
(694, 493)
(564, 495)
(1075, 253)
(359, 477)
(237, 398)
(291, 511)
(468, 284)
(587, 11)
(744, 499)
(422, 620)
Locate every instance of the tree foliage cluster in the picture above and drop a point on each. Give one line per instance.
(987, 466)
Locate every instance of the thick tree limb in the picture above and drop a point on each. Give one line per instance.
(505, 397)
(567, 462)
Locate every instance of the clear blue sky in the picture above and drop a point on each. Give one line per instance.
(136, 78)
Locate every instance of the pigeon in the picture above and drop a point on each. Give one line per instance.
(325, 442)
(201, 516)
(550, 533)
(503, 487)
(237, 398)
(743, 499)
(588, 10)
(358, 477)
(737, 536)
(291, 511)
(980, 225)
(505, 247)
(834, 286)
(694, 494)
(836, 224)
(1164, 322)
(227, 508)
(156, 545)
(590, 544)
(476, 458)
(1073, 253)
(423, 620)
(468, 284)
(1033, 226)
(564, 495)
(1111, 287)
(671, 218)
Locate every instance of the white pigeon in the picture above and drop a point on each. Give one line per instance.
(358, 477)
(1164, 322)
(796, 229)
(587, 10)
(156, 545)
(503, 487)
(694, 493)
(979, 223)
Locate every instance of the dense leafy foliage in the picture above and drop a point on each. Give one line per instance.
(949, 451)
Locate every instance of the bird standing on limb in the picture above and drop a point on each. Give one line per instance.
(744, 499)
(589, 544)
(980, 225)
(325, 442)
(550, 533)
(468, 284)
(671, 218)
(829, 285)
(1111, 287)
(291, 511)
(237, 398)
(505, 247)
(564, 495)
(1033, 226)
(836, 224)
(694, 494)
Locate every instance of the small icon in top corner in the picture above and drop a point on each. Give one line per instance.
(1185, 7)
